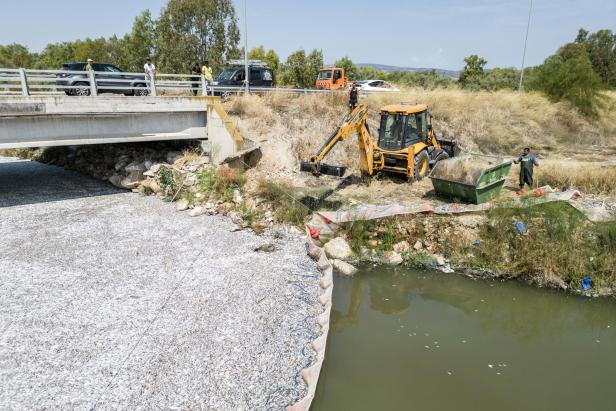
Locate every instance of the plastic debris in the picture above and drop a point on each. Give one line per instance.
(520, 227)
(477, 243)
(586, 283)
(539, 192)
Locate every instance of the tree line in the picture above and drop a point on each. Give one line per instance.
(187, 31)
(192, 31)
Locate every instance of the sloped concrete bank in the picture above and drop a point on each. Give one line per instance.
(114, 300)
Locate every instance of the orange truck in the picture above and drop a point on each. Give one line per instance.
(331, 78)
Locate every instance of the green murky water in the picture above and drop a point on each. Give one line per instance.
(414, 340)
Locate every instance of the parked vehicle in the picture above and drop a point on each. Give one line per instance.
(376, 85)
(331, 78)
(259, 75)
(109, 79)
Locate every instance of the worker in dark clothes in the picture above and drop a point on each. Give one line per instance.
(353, 95)
(195, 71)
(527, 161)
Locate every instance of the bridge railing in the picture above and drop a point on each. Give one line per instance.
(91, 83)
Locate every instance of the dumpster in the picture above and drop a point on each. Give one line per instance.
(471, 179)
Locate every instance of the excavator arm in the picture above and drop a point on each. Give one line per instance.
(354, 122)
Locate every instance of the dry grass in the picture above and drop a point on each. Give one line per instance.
(26, 153)
(590, 179)
(290, 128)
(505, 121)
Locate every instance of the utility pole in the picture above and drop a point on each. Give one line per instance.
(247, 72)
(530, 11)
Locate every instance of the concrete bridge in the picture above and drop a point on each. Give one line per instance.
(44, 121)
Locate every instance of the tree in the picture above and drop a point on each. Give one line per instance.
(601, 48)
(315, 63)
(350, 69)
(270, 57)
(16, 56)
(54, 55)
(473, 71)
(141, 43)
(190, 30)
(301, 70)
(500, 78)
(569, 75)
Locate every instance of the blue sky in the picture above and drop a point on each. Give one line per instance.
(438, 33)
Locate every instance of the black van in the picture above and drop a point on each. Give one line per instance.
(260, 76)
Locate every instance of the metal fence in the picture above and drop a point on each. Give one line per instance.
(91, 83)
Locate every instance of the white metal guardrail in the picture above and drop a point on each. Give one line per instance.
(91, 83)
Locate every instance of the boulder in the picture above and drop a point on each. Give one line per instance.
(237, 196)
(418, 246)
(224, 208)
(129, 183)
(440, 260)
(116, 180)
(344, 268)
(172, 156)
(135, 166)
(402, 247)
(236, 218)
(197, 211)
(181, 205)
(338, 248)
(155, 187)
(392, 258)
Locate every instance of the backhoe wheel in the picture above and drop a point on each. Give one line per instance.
(442, 156)
(422, 165)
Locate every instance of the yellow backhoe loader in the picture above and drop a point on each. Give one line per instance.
(407, 144)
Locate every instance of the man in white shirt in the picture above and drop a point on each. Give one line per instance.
(150, 70)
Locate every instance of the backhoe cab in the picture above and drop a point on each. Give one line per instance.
(406, 145)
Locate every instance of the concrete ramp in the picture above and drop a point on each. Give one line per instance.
(225, 142)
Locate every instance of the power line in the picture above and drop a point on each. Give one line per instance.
(530, 11)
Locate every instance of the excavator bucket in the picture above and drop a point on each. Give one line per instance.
(319, 169)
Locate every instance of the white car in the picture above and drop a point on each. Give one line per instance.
(376, 85)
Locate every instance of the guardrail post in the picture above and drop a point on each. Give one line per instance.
(25, 90)
(203, 86)
(92, 79)
(152, 85)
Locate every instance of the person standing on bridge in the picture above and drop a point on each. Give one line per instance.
(206, 70)
(150, 70)
(195, 71)
(89, 67)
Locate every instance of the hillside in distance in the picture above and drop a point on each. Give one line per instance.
(388, 69)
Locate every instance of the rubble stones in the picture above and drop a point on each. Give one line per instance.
(402, 247)
(344, 268)
(338, 248)
(181, 205)
(392, 258)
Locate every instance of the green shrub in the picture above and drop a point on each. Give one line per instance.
(568, 75)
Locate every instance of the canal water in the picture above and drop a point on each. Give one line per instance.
(415, 340)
